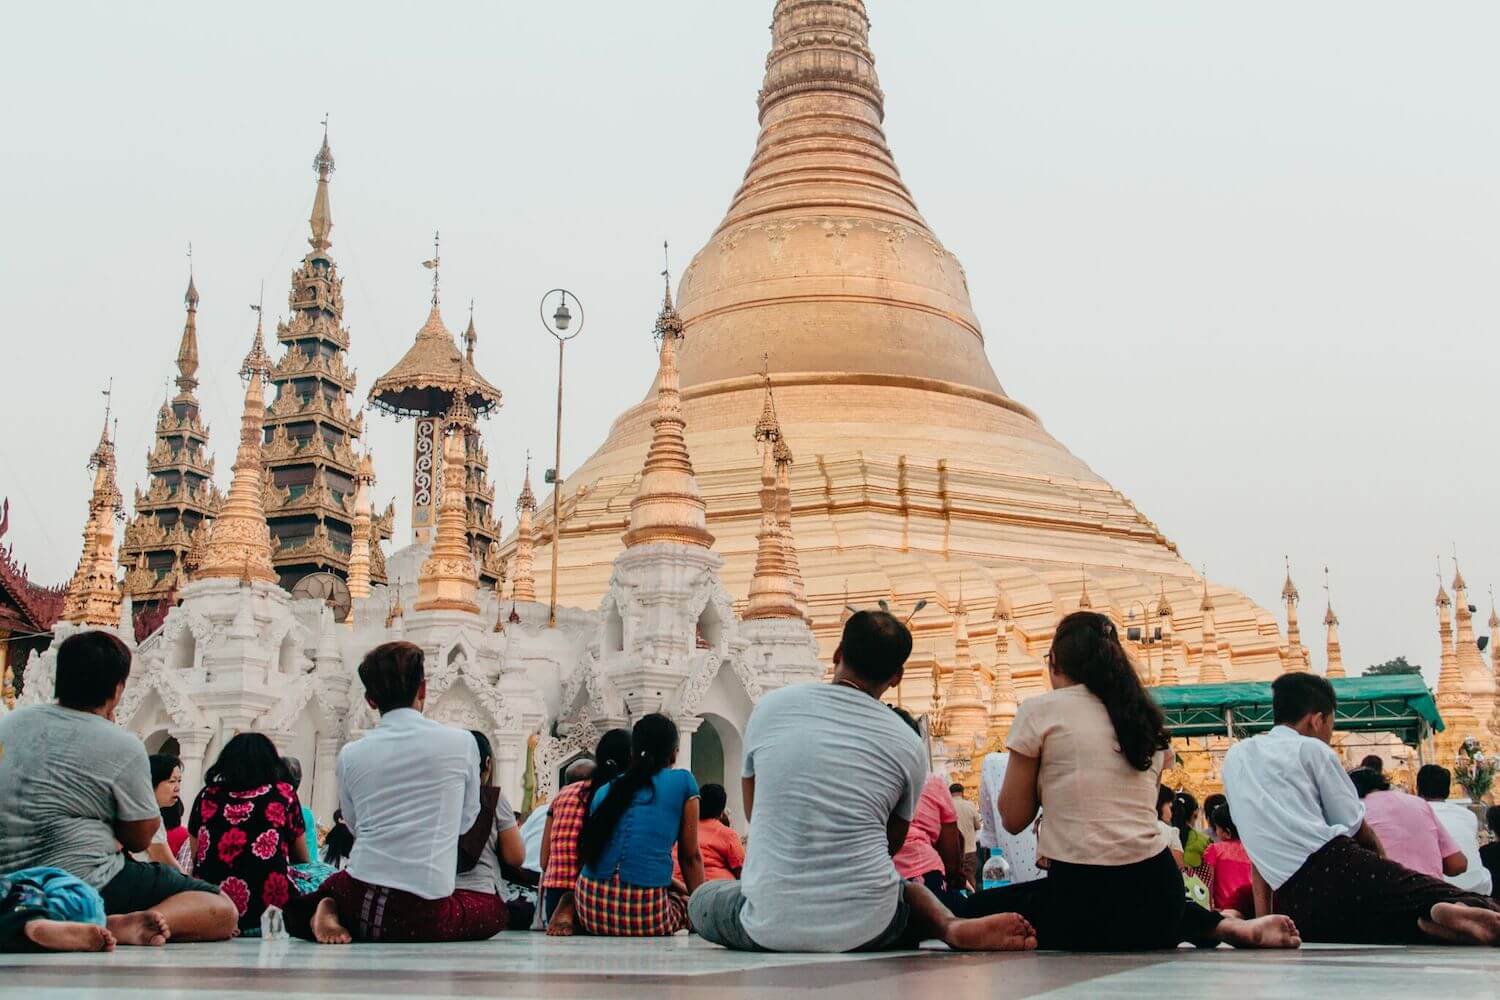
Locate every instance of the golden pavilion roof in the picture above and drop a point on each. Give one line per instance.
(424, 381)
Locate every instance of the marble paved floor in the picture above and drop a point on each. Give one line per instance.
(523, 965)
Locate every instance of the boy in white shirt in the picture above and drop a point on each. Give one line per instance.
(1315, 859)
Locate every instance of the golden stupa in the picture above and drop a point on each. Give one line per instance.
(914, 465)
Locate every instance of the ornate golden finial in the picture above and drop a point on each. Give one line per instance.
(394, 611)
(1288, 589)
(1331, 627)
(1084, 602)
(435, 265)
(1494, 622)
(1210, 669)
(321, 219)
(523, 574)
(667, 506)
(471, 336)
(1163, 609)
(1458, 576)
(239, 540)
(1442, 595)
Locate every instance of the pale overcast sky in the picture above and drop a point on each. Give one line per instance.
(1240, 258)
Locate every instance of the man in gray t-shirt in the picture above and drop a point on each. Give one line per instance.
(831, 779)
(75, 789)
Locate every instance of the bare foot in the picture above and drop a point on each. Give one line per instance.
(560, 924)
(997, 932)
(143, 927)
(1463, 924)
(1263, 932)
(326, 926)
(67, 935)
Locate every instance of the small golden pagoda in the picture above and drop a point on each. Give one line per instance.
(1453, 701)
(522, 569)
(1331, 627)
(449, 579)
(93, 595)
(1296, 656)
(965, 717)
(239, 541)
(173, 513)
(1210, 669)
(359, 553)
(772, 592)
(423, 385)
(1478, 680)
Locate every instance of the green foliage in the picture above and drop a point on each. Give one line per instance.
(1396, 666)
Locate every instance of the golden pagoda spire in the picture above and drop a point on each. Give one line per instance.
(1470, 662)
(1331, 625)
(1170, 675)
(359, 551)
(1084, 601)
(964, 713)
(523, 574)
(1002, 686)
(449, 579)
(771, 592)
(93, 594)
(1453, 701)
(321, 220)
(1210, 669)
(1296, 656)
(471, 336)
(667, 506)
(783, 454)
(239, 542)
(187, 350)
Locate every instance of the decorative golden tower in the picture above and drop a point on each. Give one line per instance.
(449, 580)
(523, 571)
(1002, 684)
(1452, 700)
(1331, 625)
(239, 541)
(667, 506)
(174, 512)
(915, 463)
(1296, 655)
(310, 431)
(1170, 675)
(965, 717)
(423, 386)
(1478, 681)
(93, 594)
(1210, 670)
(784, 519)
(772, 593)
(359, 553)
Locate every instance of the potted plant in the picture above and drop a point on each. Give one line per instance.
(1474, 771)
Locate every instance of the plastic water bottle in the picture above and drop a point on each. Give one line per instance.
(272, 926)
(996, 871)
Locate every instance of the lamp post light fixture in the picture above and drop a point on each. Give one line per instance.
(1145, 635)
(561, 327)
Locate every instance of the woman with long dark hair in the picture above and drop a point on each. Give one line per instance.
(1093, 749)
(565, 815)
(493, 838)
(625, 888)
(166, 782)
(246, 828)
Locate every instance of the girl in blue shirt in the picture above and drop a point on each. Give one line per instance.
(625, 888)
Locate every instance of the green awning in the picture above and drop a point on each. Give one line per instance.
(1392, 703)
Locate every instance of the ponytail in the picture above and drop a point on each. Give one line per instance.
(1184, 807)
(1086, 648)
(653, 741)
(611, 758)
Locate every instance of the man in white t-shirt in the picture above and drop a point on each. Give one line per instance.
(408, 789)
(1314, 857)
(1435, 784)
(831, 778)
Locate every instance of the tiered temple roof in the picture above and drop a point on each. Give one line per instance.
(27, 612)
(310, 431)
(173, 513)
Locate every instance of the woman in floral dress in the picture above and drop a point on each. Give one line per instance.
(246, 828)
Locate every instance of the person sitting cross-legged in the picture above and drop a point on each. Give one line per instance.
(818, 874)
(245, 828)
(625, 888)
(1315, 857)
(564, 823)
(75, 788)
(46, 909)
(1093, 749)
(407, 790)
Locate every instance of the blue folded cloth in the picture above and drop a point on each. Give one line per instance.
(63, 896)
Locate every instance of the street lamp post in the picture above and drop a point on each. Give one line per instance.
(558, 325)
(1145, 634)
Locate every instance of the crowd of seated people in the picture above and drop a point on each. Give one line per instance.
(95, 853)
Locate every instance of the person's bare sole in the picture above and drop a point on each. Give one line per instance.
(997, 932)
(1463, 924)
(143, 928)
(326, 926)
(560, 924)
(1263, 932)
(67, 935)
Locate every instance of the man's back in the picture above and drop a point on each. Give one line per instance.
(1409, 832)
(831, 766)
(66, 777)
(1463, 826)
(408, 789)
